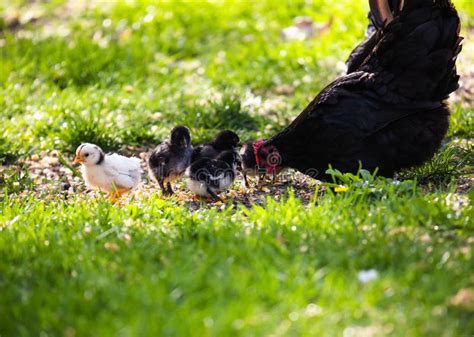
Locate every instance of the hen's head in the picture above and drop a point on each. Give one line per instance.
(267, 156)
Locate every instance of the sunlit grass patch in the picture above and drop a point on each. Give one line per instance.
(226, 112)
(277, 260)
(462, 122)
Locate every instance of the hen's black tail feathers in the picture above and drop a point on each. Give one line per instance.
(415, 54)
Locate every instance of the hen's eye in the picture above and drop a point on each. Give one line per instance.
(87, 155)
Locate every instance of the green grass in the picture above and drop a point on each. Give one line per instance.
(122, 74)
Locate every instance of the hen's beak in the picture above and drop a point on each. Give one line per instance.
(77, 160)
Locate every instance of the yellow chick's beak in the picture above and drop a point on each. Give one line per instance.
(77, 160)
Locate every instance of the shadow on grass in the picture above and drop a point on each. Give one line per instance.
(226, 113)
(451, 162)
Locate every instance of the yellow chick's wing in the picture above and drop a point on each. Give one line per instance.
(125, 172)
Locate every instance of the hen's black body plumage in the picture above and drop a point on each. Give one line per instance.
(388, 112)
(360, 53)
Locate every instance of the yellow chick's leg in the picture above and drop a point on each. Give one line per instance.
(114, 197)
(116, 194)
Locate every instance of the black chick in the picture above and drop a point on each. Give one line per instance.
(224, 141)
(389, 111)
(169, 160)
(249, 165)
(207, 177)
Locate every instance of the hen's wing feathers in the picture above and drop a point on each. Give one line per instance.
(360, 53)
(363, 50)
(419, 49)
(412, 67)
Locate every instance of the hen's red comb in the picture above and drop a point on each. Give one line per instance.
(257, 146)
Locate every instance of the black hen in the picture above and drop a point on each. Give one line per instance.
(388, 112)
